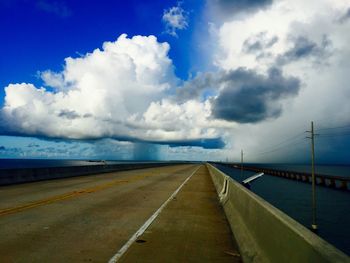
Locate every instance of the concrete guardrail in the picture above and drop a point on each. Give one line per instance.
(25, 175)
(266, 234)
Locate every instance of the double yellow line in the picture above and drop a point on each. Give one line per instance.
(64, 196)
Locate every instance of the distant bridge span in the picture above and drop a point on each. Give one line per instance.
(332, 181)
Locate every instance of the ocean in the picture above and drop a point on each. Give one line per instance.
(294, 198)
(337, 170)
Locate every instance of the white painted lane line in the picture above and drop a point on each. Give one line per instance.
(142, 229)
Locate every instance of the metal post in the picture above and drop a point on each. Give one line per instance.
(241, 162)
(314, 224)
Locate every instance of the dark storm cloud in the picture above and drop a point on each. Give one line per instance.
(150, 150)
(215, 143)
(6, 129)
(145, 151)
(304, 48)
(258, 43)
(248, 97)
(243, 95)
(229, 8)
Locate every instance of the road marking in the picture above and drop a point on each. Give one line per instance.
(20, 208)
(142, 229)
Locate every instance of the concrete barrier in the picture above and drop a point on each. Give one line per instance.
(25, 175)
(266, 234)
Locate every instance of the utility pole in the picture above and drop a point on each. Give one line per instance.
(241, 163)
(313, 179)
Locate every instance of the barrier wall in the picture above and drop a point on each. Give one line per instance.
(266, 234)
(25, 175)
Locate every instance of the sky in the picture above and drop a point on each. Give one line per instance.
(175, 80)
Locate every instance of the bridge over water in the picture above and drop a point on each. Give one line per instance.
(175, 213)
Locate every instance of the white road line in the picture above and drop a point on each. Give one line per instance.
(142, 229)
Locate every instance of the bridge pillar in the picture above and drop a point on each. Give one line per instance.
(343, 185)
(322, 181)
(332, 183)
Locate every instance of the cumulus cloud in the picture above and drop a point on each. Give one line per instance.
(175, 18)
(184, 124)
(114, 92)
(95, 94)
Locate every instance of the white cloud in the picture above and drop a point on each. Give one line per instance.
(173, 121)
(324, 94)
(95, 94)
(294, 18)
(175, 18)
(114, 92)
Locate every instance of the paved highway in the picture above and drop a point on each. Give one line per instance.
(88, 218)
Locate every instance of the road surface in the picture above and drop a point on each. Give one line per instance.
(90, 218)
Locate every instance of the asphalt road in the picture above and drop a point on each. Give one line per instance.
(81, 219)
(191, 228)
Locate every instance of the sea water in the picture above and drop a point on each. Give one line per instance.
(294, 198)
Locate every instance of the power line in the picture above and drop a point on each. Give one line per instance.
(292, 140)
(272, 148)
(332, 128)
(344, 119)
(333, 134)
(279, 148)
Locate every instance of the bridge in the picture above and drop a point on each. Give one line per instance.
(174, 213)
(332, 181)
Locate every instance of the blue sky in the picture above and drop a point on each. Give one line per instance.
(174, 79)
(38, 35)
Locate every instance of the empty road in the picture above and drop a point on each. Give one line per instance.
(90, 218)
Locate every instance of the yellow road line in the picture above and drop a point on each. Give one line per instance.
(64, 196)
